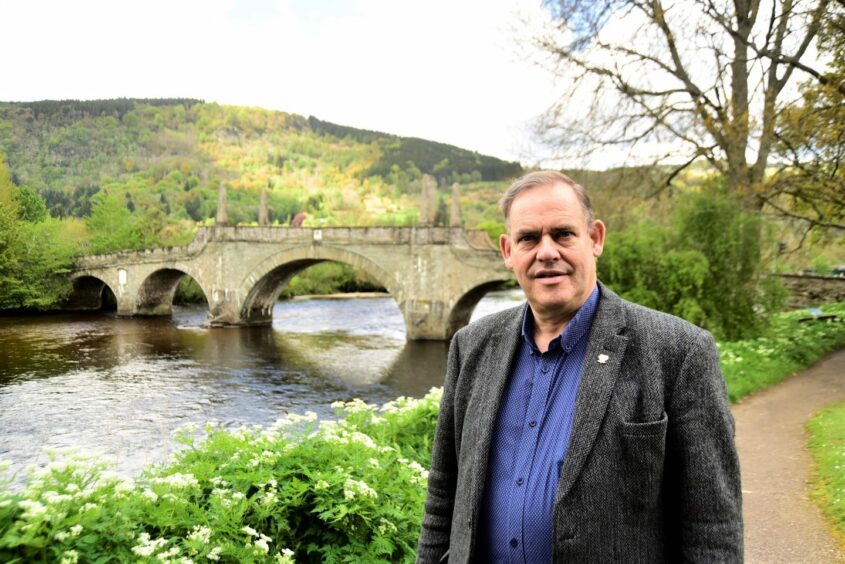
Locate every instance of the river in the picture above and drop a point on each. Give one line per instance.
(119, 387)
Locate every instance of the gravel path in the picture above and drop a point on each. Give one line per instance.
(782, 525)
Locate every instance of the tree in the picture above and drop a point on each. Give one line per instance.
(703, 265)
(112, 226)
(810, 147)
(35, 257)
(31, 206)
(680, 81)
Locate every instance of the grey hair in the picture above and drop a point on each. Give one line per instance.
(545, 178)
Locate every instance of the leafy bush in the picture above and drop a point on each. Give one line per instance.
(704, 266)
(341, 492)
(788, 345)
(330, 278)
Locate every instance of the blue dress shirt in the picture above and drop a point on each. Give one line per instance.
(530, 441)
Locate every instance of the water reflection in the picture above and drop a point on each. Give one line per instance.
(121, 386)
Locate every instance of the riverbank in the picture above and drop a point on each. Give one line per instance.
(340, 296)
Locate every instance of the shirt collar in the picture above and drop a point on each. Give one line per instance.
(577, 327)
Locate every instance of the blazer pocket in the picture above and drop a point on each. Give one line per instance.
(647, 429)
(643, 457)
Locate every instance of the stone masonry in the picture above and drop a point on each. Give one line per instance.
(435, 274)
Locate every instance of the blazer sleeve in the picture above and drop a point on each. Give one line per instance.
(704, 467)
(433, 543)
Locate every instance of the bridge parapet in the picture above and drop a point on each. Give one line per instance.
(454, 236)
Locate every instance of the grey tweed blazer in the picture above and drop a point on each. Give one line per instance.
(651, 474)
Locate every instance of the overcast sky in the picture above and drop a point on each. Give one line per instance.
(453, 71)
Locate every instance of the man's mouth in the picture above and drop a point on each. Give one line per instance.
(549, 276)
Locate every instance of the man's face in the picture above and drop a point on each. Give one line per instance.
(551, 249)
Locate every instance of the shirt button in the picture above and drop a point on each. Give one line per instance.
(514, 543)
(519, 481)
(532, 423)
(545, 369)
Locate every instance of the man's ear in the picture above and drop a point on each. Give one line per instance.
(597, 233)
(505, 247)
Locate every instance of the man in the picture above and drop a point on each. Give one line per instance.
(579, 427)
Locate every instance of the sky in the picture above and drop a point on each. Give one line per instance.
(453, 71)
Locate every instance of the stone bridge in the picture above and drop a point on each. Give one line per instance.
(436, 274)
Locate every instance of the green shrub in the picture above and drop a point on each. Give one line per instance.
(346, 491)
(703, 265)
(786, 346)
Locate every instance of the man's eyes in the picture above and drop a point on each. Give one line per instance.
(560, 235)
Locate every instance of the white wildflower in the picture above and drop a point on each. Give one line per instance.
(76, 530)
(262, 545)
(173, 551)
(373, 462)
(32, 509)
(69, 557)
(201, 534)
(214, 554)
(177, 480)
(55, 498)
(250, 531)
(351, 488)
(148, 546)
(385, 527)
(150, 495)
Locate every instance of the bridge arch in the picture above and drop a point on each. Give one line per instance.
(155, 294)
(461, 312)
(87, 293)
(263, 285)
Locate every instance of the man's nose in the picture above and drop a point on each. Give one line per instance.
(547, 250)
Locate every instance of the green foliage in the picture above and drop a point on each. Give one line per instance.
(787, 345)
(348, 491)
(445, 162)
(704, 266)
(494, 228)
(31, 206)
(113, 226)
(189, 292)
(827, 445)
(330, 278)
(35, 256)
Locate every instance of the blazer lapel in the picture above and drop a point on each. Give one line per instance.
(598, 378)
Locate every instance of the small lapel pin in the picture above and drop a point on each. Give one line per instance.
(603, 358)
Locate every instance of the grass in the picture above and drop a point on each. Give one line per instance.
(787, 346)
(827, 445)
